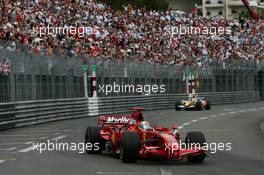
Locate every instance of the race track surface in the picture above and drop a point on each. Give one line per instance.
(239, 124)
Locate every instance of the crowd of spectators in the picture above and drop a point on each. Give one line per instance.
(129, 34)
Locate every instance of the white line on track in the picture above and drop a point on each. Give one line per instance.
(185, 124)
(29, 149)
(233, 112)
(164, 171)
(221, 114)
(78, 130)
(180, 127)
(36, 146)
(59, 137)
(243, 111)
(229, 109)
(7, 149)
(1, 161)
(67, 130)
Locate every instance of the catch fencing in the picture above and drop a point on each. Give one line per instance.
(41, 77)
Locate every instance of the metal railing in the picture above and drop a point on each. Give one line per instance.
(40, 77)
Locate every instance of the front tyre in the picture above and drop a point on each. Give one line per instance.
(208, 105)
(92, 137)
(129, 147)
(195, 138)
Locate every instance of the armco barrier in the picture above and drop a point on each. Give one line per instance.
(7, 114)
(34, 112)
(110, 105)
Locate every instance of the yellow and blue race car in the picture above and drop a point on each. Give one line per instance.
(193, 103)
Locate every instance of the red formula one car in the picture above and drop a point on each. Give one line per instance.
(130, 137)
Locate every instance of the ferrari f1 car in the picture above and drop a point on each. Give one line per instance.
(193, 103)
(131, 137)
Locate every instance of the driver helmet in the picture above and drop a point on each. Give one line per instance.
(144, 125)
(194, 97)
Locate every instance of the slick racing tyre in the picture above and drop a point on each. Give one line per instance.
(208, 105)
(129, 147)
(92, 137)
(198, 105)
(195, 138)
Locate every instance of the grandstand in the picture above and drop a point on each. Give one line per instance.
(131, 34)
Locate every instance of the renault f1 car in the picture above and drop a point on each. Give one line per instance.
(193, 103)
(131, 137)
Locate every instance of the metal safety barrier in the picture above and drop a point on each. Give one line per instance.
(110, 105)
(34, 112)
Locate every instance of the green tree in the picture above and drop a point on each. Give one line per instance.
(115, 4)
(148, 4)
(244, 14)
(261, 13)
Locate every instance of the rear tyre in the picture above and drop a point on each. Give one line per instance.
(198, 105)
(195, 138)
(208, 106)
(92, 137)
(129, 147)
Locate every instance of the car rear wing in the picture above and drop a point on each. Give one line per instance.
(113, 120)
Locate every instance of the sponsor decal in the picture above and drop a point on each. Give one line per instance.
(117, 120)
